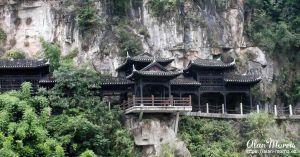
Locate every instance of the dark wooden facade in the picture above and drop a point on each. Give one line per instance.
(207, 81)
(14, 72)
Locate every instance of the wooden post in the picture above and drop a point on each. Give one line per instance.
(207, 109)
(190, 99)
(152, 98)
(257, 108)
(291, 110)
(223, 109)
(275, 110)
(109, 106)
(241, 107)
(176, 123)
(133, 100)
(171, 100)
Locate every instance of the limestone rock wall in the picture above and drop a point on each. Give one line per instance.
(197, 28)
(155, 134)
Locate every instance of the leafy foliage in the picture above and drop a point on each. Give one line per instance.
(121, 7)
(129, 42)
(23, 125)
(274, 26)
(3, 35)
(162, 8)
(206, 137)
(258, 126)
(14, 54)
(87, 15)
(211, 137)
(81, 120)
(52, 53)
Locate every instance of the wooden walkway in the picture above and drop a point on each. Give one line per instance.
(233, 116)
(158, 105)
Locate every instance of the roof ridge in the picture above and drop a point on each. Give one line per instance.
(153, 63)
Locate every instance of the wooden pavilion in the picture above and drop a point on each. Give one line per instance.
(145, 84)
(14, 72)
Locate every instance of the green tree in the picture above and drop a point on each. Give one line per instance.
(23, 125)
(82, 120)
(206, 137)
(87, 15)
(52, 53)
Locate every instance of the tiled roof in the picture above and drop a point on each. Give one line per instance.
(107, 80)
(241, 78)
(154, 73)
(185, 81)
(47, 79)
(153, 64)
(210, 63)
(147, 71)
(22, 63)
(145, 58)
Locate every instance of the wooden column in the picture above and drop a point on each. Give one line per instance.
(207, 109)
(176, 123)
(152, 98)
(169, 89)
(225, 101)
(250, 97)
(199, 100)
(141, 91)
(171, 100)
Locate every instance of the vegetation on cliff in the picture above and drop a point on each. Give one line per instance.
(227, 138)
(274, 27)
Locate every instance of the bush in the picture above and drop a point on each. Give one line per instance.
(162, 8)
(3, 35)
(206, 137)
(14, 54)
(129, 43)
(87, 16)
(121, 7)
(52, 53)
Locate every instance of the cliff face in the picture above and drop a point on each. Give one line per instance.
(193, 28)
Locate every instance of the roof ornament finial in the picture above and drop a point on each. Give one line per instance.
(133, 67)
(233, 62)
(48, 61)
(154, 59)
(128, 56)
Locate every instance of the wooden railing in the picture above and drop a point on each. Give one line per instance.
(157, 101)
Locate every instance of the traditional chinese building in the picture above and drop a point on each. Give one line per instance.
(144, 81)
(14, 72)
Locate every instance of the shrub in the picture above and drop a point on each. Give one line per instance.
(121, 7)
(14, 54)
(87, 16)
(3, 35)
(206, 137)
(129, 42)
(162, 8)
(52, 53)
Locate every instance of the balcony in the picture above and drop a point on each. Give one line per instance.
(158, 104)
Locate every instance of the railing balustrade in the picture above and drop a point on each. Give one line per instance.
(157, 101)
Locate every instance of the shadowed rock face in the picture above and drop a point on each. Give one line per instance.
(154, 133)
